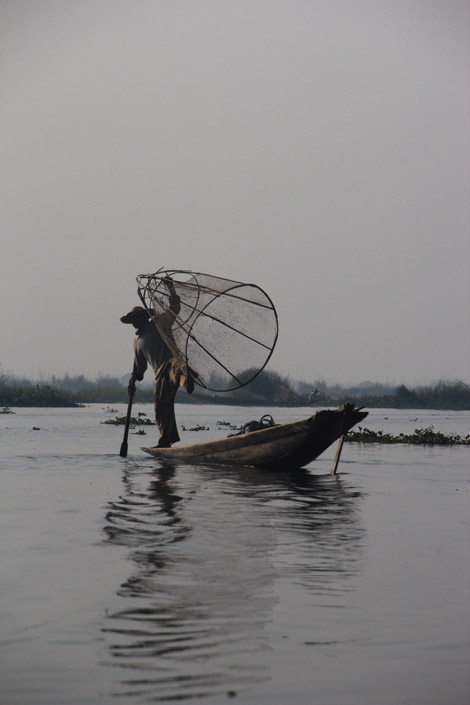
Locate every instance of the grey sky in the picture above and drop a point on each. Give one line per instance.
(318, 149)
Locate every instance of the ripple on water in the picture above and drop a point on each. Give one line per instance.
(191, 613)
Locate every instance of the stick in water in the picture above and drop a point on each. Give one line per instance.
(338, 454)
(123, 451)
(341, 440)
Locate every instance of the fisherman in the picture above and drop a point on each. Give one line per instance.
(150, 348)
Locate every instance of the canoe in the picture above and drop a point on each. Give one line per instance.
(279, 447)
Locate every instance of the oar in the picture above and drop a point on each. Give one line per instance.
(123, 451)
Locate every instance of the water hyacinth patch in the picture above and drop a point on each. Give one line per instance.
(140, 420)
(421, 436)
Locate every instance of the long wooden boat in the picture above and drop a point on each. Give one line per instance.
(279, 447)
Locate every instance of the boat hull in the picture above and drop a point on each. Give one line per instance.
(280, 447)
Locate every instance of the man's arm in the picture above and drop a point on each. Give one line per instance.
(175, 303)
(138, 371)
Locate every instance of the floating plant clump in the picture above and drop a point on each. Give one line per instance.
(421, 436)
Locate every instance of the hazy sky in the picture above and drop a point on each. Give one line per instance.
(318, 148)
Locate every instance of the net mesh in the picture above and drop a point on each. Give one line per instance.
(225, 331)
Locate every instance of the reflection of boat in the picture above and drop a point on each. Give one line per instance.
(279, 447)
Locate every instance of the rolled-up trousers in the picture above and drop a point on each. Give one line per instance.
(168, 379)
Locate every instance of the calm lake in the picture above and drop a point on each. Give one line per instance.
(125, 581)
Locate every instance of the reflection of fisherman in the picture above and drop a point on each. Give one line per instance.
(170, 371)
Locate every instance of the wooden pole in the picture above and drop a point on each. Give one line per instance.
(123, 451)
(344, 430)
(338, 454)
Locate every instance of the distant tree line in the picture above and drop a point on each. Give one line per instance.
(29, 394)
(67, 391)
(269, 387)
(445, 394)
(452, 395)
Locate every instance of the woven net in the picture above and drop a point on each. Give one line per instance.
(225, 331)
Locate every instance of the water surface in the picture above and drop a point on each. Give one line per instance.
(124, 580)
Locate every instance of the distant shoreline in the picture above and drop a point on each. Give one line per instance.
(203, 400)
(269, 389)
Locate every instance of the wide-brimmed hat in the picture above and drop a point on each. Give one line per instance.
(134, 314)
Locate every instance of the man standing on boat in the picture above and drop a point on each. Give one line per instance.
(151, 349)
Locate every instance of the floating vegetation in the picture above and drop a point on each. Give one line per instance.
(6, 410)
(228, 425)
(196, 428)
(140, 420)
(421, 436)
